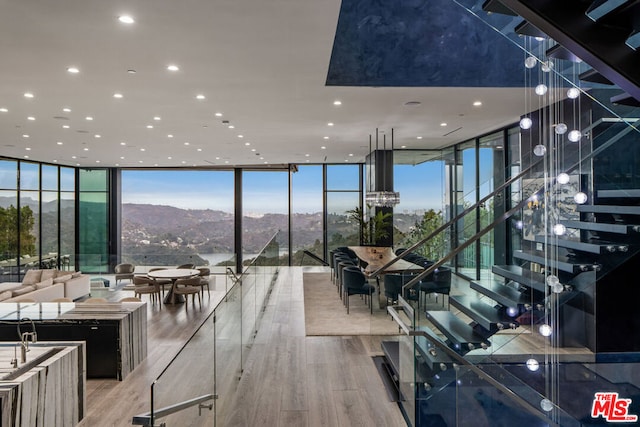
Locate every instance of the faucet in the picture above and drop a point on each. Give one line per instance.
(25, 337)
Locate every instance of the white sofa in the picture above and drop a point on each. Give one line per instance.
(46, 285)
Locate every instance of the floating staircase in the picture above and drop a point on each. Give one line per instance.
(603, 33)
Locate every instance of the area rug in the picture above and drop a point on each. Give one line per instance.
(324, 313)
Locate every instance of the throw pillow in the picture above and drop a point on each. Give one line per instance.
(31, 277)
(44, 283)
(62, 279)
(23, 290)
(48, 273)
(9, 286)
(76, 274)
(5, 295)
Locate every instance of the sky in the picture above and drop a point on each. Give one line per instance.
(420, 188)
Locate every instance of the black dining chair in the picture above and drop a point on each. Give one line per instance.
(355, 283)
(438, 282)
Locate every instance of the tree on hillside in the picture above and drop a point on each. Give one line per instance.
(9, 230)
(434, 248)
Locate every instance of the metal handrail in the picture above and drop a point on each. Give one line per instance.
(147, 418)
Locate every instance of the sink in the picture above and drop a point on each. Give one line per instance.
(36, 355)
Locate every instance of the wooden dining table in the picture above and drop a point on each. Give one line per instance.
(173, 274)
(377, 256)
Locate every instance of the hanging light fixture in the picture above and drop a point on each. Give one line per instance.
(384, 198)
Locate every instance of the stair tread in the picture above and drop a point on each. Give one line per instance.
(500, 293)
(612, 209)
(599, 226)
(523, 276)
(459, 333)
(594, 76)
(560, 52)
(495, 6)
(525, 28)
(625, 99)
(619, 193)
(487, 316)
(426, 348)
(591, 245)
(570, 264)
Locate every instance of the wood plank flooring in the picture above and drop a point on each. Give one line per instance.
(288, 380)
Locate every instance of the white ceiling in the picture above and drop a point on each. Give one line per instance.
(262, 64)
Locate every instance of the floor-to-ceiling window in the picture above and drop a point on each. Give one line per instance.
(306, 215)
(343, 194)
(173, 217)
(93, 222)
(419, 178)
(265, 204)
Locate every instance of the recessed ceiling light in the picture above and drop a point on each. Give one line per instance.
(131, 71)
(73, 70)
(325, 137)
(183, 162)
(149, 126)
(169, 136)
(117, 95)
(89, 118)
(350, 154)
(199, 149)
(3, 110)
(330, 124)
(157, 118)
(97, 136)
(66, 110)
(265, 162)
(121, 157)
(200, 96)
(403, 146)
(418, 137)
(25, 135)
(337, 102)
(123, 143)
(55, 161)
(27, 148)
(140, 161)
(73, 157)
(26, 157)
(85, 149)
(226, 162)
(307, 155)
(218, 114)
(65, 126)
(247, 143)
(97, 161)
(443, 124)
(59, 142)
(126, 19)
(143, 149)
(169, 158)
(232, 127)
(477, 103)
(253, 149)
(217, 158)
(31, 118)
(173, 67)
(186, 143)
(323, 148)
(28, 95)
(240, 136)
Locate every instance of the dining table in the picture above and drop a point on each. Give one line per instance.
(173, 274)
(375, 257)
(372, 258)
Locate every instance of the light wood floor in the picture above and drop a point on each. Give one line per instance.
(289, 379)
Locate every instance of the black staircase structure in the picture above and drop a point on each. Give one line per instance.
(593, 264)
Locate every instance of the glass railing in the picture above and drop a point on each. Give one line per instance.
(198, 385)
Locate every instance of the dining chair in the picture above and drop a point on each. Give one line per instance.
(438, 282)
(147, 285)
(355, 283)
(124, 272)
(205, 278)
(161, 282)
(190, 286)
